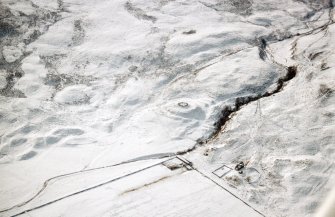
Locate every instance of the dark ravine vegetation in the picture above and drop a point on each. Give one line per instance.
(226, 112)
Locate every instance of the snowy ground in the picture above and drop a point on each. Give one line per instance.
(103, 92)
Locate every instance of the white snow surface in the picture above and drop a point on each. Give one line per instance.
(135, 82)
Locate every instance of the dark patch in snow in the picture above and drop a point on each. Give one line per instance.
(68, 132)
(325, 91)
(78, 33)
(241, 7)
(239, 166)
(175, 164)
(312, 56)
(261, 48)
(317, 5)
(138, 12)
(6, 29)
(28, 155)
(189, 32)
(145, 185)
(61, 80)
(324, 66)
(18, 28)
(18, 142)
(183, 104)
(132, 68)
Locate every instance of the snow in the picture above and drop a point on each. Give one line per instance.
(287, 139)
(11, 53)
(106, 82)
(176, 192)
(76, 94)
(2, 79)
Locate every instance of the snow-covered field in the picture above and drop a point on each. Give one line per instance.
(144, 108)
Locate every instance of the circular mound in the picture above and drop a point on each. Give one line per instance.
(73, 95)
(184, 109)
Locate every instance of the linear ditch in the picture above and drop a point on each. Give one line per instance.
(291, 72)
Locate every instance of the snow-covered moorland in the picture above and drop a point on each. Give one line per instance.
(166, 107)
